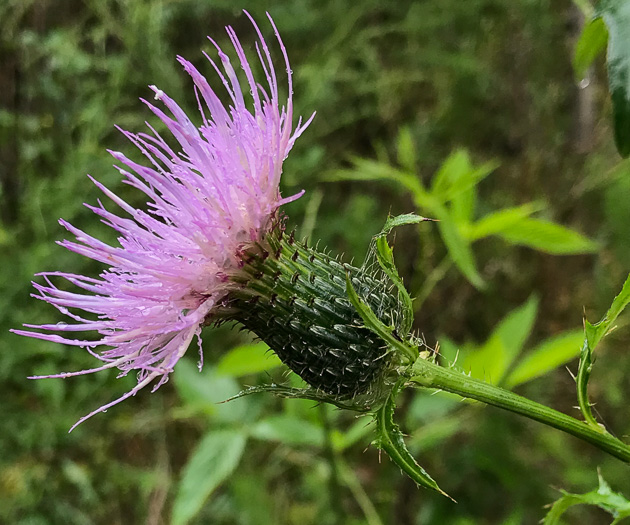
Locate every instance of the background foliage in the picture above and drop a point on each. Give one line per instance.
(469, 112)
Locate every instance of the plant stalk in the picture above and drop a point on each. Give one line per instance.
(430, 375)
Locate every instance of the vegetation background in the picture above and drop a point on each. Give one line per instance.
(475, 101)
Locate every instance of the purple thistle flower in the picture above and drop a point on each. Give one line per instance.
(205, 202)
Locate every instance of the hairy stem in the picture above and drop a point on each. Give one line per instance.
(427, 374)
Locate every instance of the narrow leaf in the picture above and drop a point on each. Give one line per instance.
(374, 323)
(457, 174)
(495, 357)
(500, 221)
(593, 334)
(591, 43)
(390, 439)
(547, 356)
(214, 459)
(547, 237)
(400, 220)
(459, 250)
(406, 150)
(385, 257)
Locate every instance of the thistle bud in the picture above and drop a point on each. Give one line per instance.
(294, 298)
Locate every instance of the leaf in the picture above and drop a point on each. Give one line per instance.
(374, 323)
(385, 257)
(206, 391)
(288, 429)
(591, 43)
(248, 359)
(406, 150)
(400, 220)
(501, 220)
(612, 502)
(547, 356)
(547, 237)
(214, 459)
(459, 250)
(593, 334)
(390, 439)
(463, 206)
(457, 174)
(616, 15)
(454, 168)
(495, 357)
(366, 169)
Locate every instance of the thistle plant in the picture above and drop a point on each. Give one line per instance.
(211, 246)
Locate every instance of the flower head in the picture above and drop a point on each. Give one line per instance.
(208, 197)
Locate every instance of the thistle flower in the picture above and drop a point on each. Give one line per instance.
(207, 199)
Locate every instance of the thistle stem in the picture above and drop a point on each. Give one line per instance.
(430, 375)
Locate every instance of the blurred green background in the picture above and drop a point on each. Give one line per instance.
(469, 112)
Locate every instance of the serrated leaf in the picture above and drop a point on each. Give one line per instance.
(213, 460)
(289, 430)
(593, 334)
(400, 220)
(374, 324)
(547, 356)
(248, 359)
(390, 439)
(385, 257)
(614, 503)
(547, 237)
(616, 15)
(591, 43)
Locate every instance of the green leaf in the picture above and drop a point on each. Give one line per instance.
(616, 15)
(593, 334)
(406, 150)
(459, 250)
(289, 430)
(374, 323)
(214, 459)
(205, 391)
(547, 237)
(248, 359)
(604, 498)
(366, 169)
(495, 357)
(454, 168)
(547, 356)
(457, 174)
(463, 206)
(390, 439)
(385, 257)
(591, 43)
(499, 221)
(400, 220)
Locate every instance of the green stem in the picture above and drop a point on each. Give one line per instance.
(430, 375)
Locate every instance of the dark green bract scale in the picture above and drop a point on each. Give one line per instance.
(294, 298)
